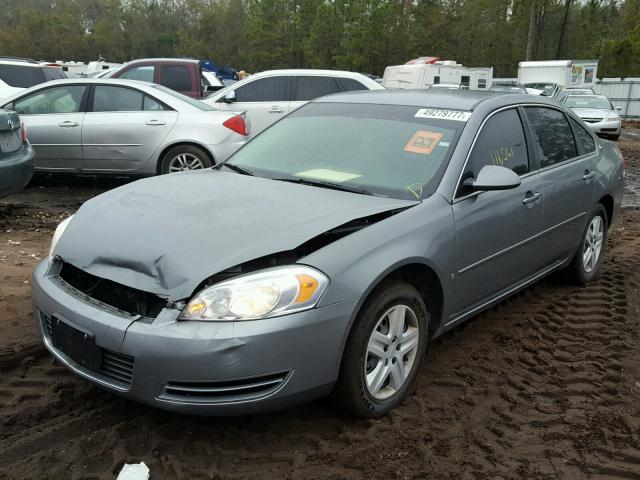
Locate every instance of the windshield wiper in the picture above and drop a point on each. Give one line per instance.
(236, 168)
(333, 186)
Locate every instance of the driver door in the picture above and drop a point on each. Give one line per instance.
(496, 244)
(54, 117)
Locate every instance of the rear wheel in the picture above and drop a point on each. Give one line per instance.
(585, 265)
(183, 158)
(384, 351)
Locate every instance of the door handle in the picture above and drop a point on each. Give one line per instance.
(155, 123)
(588, 175)
(275, 109)
(531, 197)
(68, 123)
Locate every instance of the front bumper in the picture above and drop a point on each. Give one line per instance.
(606, 127)
(16, 171)
(208, 368)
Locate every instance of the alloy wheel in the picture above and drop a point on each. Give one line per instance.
(593, 244)
(391, 351)
(185, 161)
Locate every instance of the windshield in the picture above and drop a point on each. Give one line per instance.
(191, 101)
(583, 101)
(547, 88)
(385, 150)
(21, 76)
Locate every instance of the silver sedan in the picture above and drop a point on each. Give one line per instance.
(598, 113)
(123, 126)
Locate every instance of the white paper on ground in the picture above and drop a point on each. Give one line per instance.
(135, 471)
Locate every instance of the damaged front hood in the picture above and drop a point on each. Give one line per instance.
(165, 235)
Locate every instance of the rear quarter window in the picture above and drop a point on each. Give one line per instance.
(584, 138)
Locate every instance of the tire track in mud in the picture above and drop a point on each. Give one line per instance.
(541, 386)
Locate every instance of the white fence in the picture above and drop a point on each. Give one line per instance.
(623, 93)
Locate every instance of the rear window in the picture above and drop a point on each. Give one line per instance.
(176, 77)
(191, 101)
(53, 73)
(387, 150)
(21, 76)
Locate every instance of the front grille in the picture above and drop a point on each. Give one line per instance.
(114, 367)
(116, 295)
(592, 120)
(225, 391)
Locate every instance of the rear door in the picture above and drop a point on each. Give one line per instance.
(54, 117)
(567, 169)
(496, 244)
(123, 129)
(265, 100)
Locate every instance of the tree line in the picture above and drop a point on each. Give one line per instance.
(358, 35)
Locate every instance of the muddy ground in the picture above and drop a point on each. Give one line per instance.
(545, 386)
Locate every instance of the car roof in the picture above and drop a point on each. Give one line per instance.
(309, 71)
(437, 98)
(593, 95)
(162, 59)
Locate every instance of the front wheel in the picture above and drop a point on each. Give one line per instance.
(384, 351)
(183, 158)
(585, 265)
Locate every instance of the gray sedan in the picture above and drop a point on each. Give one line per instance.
(123, 126)
(325, 253)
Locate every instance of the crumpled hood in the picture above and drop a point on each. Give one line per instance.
(167, 234)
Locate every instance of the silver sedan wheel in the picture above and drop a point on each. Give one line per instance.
(185, 161)
(391, 351)
(593, 244)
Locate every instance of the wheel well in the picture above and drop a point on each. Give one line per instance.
(607, 203)
(425, 280)
(179, 144)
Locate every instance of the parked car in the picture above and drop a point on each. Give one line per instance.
(269, 96)
(324, 254)
(16, 155)
(183, 75)
(18, 74)
(598, 113)
(124, 126)
(497, 88)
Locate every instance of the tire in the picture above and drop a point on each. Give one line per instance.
(353, 392)
(581, 271)
(614, 137)
(184, 157)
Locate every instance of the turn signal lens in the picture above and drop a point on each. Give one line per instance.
(307, 285)
(24, 133)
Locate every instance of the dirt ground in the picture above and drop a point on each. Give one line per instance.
(545, 386)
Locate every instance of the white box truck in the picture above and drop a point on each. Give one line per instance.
(439, 71)
(563, 73)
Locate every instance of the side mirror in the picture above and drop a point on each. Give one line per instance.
(212, 88)
(229, 97)
(493, 177)
(619, 109)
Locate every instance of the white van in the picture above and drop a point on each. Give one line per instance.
(445, 71)
(560, 73)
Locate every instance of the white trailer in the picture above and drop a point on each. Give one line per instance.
(564, 73)
(442, 71)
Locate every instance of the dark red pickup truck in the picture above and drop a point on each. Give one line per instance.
(180, 74)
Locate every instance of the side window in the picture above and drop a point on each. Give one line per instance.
(151, 104)
(436, 79)
(308, 88)
(552, 134)
(274, 89)
(482, 83)
(349, 85)
(116, 99)
(583, 137)
(176, 77)
(66, 99)
(21, 76)
(501, 142)
(144, 73)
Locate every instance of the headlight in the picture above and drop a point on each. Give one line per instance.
(268, 293)
(57, 234)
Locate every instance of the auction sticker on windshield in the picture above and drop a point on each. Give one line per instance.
(457, 115)
(423, 142)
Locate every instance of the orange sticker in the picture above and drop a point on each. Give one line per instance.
(423, 142)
